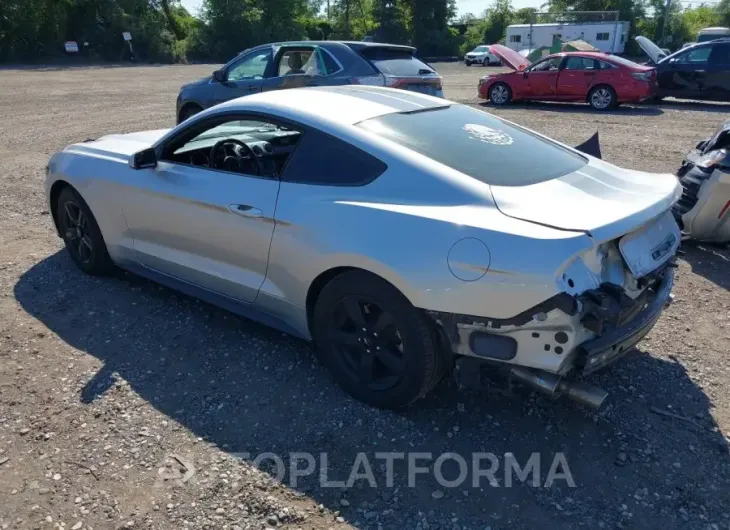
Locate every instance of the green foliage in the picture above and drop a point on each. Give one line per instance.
(163, 31)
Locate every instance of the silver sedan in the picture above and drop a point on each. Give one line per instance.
(404, 234)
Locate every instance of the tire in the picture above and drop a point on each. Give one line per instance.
(500, 94)
(486, 62)
(408, 343)
(81, 234)
(602, 98)
(188, 111)
(467, 63)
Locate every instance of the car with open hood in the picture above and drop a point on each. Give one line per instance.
(700, 71)
(603, 81)
(285, 65)
(703, 211)
(401, 233)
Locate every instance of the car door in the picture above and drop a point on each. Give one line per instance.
(577, 75)
(296, 66)
(204, 219)
(718, 72)
(542, 79)
(243, 76)
(684, 75)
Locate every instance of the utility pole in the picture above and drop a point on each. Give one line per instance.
(328, 10)
(664, 23)
(347, 18)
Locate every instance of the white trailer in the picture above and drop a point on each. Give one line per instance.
(609, 37)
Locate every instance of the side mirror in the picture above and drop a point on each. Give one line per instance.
(219, 76)
(144, 159)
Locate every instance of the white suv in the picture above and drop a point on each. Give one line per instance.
(480, 55)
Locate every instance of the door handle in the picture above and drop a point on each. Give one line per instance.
(245, 210)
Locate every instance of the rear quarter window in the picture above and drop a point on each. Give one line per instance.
(396, 62)
(325, 160)
(478, 144)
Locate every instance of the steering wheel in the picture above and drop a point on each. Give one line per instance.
(221, 159)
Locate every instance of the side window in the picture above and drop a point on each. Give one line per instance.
(698, 55)
(251, 66)
(302, 61)
(720, 54)
(254, 146)
(605, 66)
(545, 65)
(580, 63)
(330, 64)
(325, 160)
(515, 38)
(602, 36)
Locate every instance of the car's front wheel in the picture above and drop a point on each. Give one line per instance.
(602, 98)
(378, 347)
(486, 62)
(81, 233)
(500, 94)
(467, 63)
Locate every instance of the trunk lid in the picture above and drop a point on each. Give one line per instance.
(654, 52)
(599, 199)
(509, 57)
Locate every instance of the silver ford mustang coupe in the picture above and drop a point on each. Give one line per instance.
(407, 236)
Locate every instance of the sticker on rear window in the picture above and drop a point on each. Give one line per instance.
(487, 134)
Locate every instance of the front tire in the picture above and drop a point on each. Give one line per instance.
(377, 346)
(81, 234)
(602, 98)
(486, 62)
(500, 94)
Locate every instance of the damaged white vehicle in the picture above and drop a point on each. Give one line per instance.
(703, 211)
(403, 234)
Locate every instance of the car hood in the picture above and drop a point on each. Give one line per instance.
(202, 81)
(509, 57)
(600, 199)
(122, 145)
(473, 53)
(654, 52)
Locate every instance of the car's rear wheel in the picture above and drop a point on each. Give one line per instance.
(500, 94)
(378, 347)
(602, 98)
(188, 111)
(81, 234)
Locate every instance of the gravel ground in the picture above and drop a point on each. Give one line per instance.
(112, 391)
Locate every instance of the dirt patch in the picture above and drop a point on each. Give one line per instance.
(113, 390)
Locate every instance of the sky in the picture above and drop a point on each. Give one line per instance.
(463, 6)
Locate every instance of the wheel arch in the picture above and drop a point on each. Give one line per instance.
(186, 106)
(56, 190)
(599, 85)
(325, 277)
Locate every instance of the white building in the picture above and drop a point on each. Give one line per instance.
(609, 37)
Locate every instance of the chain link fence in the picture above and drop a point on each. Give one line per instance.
(601, 29)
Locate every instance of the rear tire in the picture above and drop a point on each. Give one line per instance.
(81, 234)
(500, 94)
(602, 98)
(377, 346)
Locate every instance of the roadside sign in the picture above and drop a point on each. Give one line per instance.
(127, 35)
(71, 46)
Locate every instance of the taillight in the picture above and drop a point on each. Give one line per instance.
(641, 76)
(372, 80)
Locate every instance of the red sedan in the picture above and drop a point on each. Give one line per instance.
(602, 80)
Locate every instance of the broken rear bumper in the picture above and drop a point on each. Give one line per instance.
(611, 345)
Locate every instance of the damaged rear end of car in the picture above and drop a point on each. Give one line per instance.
(703, 211)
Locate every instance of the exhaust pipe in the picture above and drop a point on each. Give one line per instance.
(553, 386)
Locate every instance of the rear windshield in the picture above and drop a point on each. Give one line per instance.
(396, 62)
(478, 144)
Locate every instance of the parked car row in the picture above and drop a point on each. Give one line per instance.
(604, 81)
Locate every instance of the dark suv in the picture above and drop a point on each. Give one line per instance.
(310, 63)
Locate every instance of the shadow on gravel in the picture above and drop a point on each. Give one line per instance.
(697, 106)
(246, 388)
(581, 108)
(709, 261)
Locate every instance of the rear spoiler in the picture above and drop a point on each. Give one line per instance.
(364, 46)
(591, 147)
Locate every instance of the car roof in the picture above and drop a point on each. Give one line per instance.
(341, 105)
(356, 45)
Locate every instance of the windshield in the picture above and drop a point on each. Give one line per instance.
(478, 144)
(235, 128)
(481, 49)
